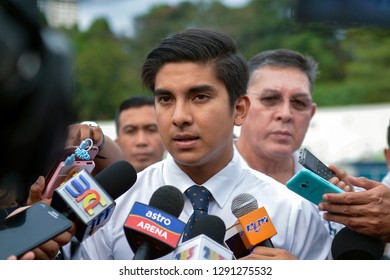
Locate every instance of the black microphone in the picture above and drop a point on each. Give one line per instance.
(117, 178)
(206, 241)
(89, 201)
(351, 245)
(253, 228)
(154, 230)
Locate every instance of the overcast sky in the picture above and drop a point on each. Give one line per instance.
(121, 12)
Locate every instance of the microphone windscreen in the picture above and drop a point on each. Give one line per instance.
(243, 204)
(168, 199)
(211, 226)
(351, 245)
(117, 178)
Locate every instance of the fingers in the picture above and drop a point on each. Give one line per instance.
(342, 176)
(341, 184)
(78, 132)
(36, 191)
(71, 172)
(266, 253)
(47, 250)
(363, 182)
(65, 237)
(27, 256)
(96, 134)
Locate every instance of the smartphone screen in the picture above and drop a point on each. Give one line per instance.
(30, 228)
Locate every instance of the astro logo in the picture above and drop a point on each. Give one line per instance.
(80, 188)
(155, 223)
(255, 226)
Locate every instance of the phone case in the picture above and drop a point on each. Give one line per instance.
(311, 186)
(30, 228)
(60, 174)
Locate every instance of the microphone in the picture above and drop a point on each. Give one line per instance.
(254, 226)
(154, 230)
(206, 241)
(351, 245)
(89, 201)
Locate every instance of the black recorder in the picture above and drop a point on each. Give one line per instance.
(309, 161)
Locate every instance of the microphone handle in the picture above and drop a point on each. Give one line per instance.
(143, 251)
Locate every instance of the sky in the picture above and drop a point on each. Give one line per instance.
(120, 12)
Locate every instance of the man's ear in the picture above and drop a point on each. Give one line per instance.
(241, 109)
(313, 109)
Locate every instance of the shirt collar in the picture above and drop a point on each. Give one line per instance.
(221, 185)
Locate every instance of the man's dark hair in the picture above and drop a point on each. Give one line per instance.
(286, 58)
(205, 47)
(132, 102)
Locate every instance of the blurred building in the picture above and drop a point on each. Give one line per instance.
(60, 13)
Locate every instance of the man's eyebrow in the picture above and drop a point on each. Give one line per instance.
(129, 126)
(274, 91)
(194, 89)
(162, 92)
(265, 91)
(202, 88)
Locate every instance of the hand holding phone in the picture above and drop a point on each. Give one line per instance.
(61, 169)
(311, 186)
(29, 229)
(60, 174)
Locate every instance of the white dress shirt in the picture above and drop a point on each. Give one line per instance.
(299, 229)
(331, 227)
(386, 179)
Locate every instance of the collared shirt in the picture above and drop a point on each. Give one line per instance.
(299, 229)
(386, 179)
(332, 227)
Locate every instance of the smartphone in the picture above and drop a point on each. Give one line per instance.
(59, 175)
(309, 161)
(30, 228)
(311, 186)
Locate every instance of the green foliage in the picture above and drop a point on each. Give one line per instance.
(354, 63)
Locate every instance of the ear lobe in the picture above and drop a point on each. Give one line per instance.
(241, 109)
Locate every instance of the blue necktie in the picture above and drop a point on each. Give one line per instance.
(199, 197)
